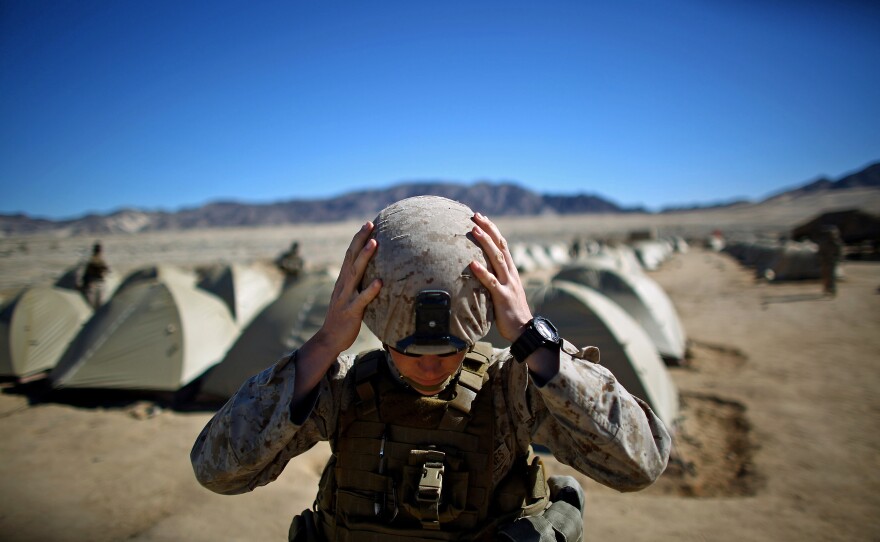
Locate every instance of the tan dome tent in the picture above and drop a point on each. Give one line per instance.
(539, 255)
(284, 325)
(587, 318)
(522, 259)
(558, 253)
(161, 272)
(620, 257)
(36, 327)
(642, 298)
(652, 253)
(155, 334)
(246, 289)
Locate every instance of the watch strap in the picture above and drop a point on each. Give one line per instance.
(529, 341)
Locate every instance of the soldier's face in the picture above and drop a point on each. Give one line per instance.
(427, 370)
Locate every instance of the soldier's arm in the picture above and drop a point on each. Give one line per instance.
(590, 422)
(252, 437)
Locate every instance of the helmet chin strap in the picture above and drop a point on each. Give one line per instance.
(435, 389)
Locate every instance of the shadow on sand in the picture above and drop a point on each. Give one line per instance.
(39, 392)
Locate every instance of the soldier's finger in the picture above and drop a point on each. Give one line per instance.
(499, 241)
(495, 254)
(348, 283)
(363, 258)
(486, 278)
(357, 243)
(367, 295)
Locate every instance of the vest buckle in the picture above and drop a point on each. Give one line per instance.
(431, 483)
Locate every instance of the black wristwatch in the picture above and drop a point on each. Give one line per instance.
(539, 333)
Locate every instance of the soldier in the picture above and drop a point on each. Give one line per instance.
(830, 251)
(431, 436)
(93, 277)
(291, 262)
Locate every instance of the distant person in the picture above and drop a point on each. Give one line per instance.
(93, 277)
(830, 252)
(291, 262)
(575, 250)
(432, 434)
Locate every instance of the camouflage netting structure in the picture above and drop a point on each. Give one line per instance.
(425, 243)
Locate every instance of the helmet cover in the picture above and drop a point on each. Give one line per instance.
(425, 243)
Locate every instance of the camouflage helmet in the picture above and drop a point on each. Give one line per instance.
(426, 246)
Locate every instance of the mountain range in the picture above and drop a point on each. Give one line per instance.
(494, 199)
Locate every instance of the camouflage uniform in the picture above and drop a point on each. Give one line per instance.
(582, 414)
(291, 262)
(93, 279)
(830, 251)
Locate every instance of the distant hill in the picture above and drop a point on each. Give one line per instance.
(869, 177)
(866, 178)
(494, 199)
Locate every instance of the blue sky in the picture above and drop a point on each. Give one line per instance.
(167, 104)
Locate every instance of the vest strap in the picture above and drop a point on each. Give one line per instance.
(470, 381)
(366, 367)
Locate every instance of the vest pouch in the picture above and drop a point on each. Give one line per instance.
(363, 496)
(537, 491)
(432, 490)
(524, 490)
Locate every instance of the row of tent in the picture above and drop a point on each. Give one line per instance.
(646, 254)
(164, 328)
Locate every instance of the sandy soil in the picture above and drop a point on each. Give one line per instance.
(778, 438)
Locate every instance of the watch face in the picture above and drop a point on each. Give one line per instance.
(545, 330)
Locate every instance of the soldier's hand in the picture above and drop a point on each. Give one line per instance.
(347, 303)
(512, 311)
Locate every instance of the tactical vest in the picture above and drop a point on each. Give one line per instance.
(410, 467)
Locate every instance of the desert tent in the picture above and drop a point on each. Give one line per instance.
(283, 325)
(585, 317)
(539, 256)
(776, 261)
(246, 289)
(37, 326)
(621, 257)
(652, 253)
(855, 226)
(642, 298)
(792, 261)
(157, 334)
(524, 263)
(558, 253)
(161, 272)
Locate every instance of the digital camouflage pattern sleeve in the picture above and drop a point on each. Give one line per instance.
(582, 414)
(251, 438)
(590, 422)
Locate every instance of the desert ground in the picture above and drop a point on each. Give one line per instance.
(778, 437)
